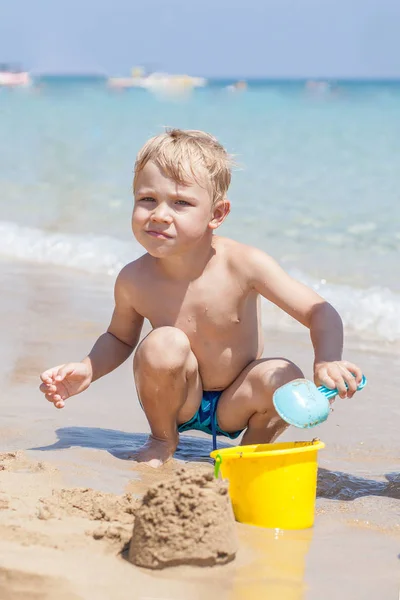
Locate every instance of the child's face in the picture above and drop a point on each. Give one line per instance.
(169, 218)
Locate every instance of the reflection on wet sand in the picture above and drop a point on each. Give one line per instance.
(276, 568)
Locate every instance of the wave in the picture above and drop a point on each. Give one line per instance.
(90, 253)
(372, 313)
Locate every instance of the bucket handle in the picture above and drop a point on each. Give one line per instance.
(217, 464)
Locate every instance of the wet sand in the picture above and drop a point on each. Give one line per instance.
(49, 317)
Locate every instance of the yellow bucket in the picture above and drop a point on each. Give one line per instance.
(272, 485)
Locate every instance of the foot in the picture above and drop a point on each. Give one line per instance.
(156, 452)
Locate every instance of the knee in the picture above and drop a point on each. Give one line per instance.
(285, 371)
(270, 376)
(165, 348)
(281, 371)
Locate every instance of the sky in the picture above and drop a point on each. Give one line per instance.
(213, 38)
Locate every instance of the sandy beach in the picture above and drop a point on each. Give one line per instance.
(65, 483)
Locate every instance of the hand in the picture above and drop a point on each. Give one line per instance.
(59, 383)
(340, 374)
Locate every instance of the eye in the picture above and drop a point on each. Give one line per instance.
(147, 199)
(183, 203)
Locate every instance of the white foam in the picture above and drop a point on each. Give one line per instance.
(372, 313)
(93, 254)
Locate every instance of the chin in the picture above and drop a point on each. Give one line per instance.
(156, 250)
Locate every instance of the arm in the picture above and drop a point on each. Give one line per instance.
(309, 308)
(121, 338)
(110, 350)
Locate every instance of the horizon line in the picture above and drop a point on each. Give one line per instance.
(272, 78)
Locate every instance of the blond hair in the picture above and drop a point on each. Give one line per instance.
(180, 154)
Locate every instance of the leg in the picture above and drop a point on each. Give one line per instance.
(247, 402)
(169, 388)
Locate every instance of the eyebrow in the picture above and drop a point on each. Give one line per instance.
(145, 191)
(182, 197)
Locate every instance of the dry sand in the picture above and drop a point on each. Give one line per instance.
(68, 495)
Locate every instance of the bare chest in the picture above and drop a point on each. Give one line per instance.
(208, 308)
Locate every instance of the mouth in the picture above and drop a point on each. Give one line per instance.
(158, 234)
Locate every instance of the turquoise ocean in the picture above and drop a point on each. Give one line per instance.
(317, 182)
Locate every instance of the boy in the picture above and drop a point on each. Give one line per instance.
(200, 367)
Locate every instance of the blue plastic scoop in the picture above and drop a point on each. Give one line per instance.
(302, 404)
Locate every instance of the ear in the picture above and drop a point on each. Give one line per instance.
(221, 210)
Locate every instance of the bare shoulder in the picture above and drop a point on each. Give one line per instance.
(230, 247)
(243, 257)
(135, 268)
(131, 277)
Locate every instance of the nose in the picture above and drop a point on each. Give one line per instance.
(161, 214)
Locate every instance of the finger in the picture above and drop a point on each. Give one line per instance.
(63, 372)
(356, 371)
(326, 380)
(350, 382)
(48, 376)
(340, 384)
(51, 397)
(47, 388)
(56, 400)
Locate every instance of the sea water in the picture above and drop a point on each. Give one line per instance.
(316, 182)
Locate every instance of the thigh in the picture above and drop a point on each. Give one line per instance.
(252, 392)
(194, 391)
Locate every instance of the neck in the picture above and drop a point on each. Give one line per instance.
(191, 264)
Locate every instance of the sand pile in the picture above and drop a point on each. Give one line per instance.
(185, 520)
(88, 503)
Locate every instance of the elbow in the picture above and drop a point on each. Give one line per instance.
(324, 315)
(129, 345)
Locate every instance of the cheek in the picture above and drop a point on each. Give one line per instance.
(193, 225)
(190, 229)
(136, 223)
(138, 215)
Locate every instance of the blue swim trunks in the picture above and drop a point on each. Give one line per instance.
(205, 418)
